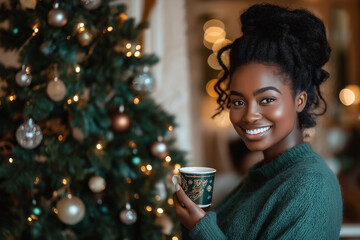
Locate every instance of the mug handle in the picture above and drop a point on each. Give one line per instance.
(176, 179)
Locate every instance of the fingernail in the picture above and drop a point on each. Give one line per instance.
(177, 187)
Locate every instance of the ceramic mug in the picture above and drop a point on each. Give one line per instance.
(197, 183)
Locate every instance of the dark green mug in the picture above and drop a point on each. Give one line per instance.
(198, 184)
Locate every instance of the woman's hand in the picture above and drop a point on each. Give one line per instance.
(188, 213)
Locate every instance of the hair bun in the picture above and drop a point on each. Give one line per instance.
(299, 28)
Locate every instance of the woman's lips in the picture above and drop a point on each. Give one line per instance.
(254, 133)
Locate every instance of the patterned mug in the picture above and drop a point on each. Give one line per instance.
(197, 183)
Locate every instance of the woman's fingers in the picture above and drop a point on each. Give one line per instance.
(184, 199)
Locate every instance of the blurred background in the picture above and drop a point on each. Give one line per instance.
(186, 34)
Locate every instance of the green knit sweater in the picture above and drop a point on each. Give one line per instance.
(295, 196)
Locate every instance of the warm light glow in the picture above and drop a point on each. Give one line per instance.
(11, 160)
(12, 98)
(213, 34)
(128, 54)
(176, 168)
(347, 97)
(213, 23)
(174, 238)
(170, 201)
(80, 25)
(69, 101)
(128, 45)
(76, 98)
(132, 144)
(55, 193)
(136, 100)
(137, 54)
(55, 210)
(68, 37)
(158, 198)
(138, 47)
(60, 138)
(37, 179)
(213, 62)
(99, 146)
(210, 88)
(170, 128)
(160, 210)
(220, 44)
(110, 28)
(148, 208)
(356, 90)
(143, 168)
(128, 180)
(64, 181)
(136, 196)
(77, 68)
(149, 167)
(28, 70)
(168, 159)
(29, 219)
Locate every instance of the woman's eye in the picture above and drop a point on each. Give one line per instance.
(237, 103)
(267, 100)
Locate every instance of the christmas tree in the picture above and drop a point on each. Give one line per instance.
(86, 153)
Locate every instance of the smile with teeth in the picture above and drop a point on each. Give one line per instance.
(257, 130)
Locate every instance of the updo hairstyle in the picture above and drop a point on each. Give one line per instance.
(293, 40)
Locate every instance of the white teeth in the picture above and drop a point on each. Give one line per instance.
(257, 131)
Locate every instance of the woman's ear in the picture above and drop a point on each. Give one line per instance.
(300, 101)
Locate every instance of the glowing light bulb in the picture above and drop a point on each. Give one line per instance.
(76, 98)
(168, 159)
(110, 28)
(149, 167)
(160, 210)
(11, 160)
(99, 146)
(148, 208)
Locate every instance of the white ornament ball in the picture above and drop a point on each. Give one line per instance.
(91, 4)
(159, 149)
(23, 77)
(29, 135)
(71, 210)
(57, 17)
(97, 184)
(128, 216)
(143, 81)
(56, 90)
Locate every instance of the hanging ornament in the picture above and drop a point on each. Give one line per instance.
(78, 134)
(121, 121)
(57, 17)
(143, 81)
(85, 37)
(91, 4)
(71, 209)
(128, 216)
(165, 222)
(159, 148)
(56, 89)
(23, 77)
(97, 184)
(29, 134)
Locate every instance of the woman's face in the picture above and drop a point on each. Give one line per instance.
(263, 109)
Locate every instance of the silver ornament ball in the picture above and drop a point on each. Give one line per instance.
(29, 134)
(143, 81)
(57, 17)
(71, 210)
(128, 216)
(23, 77)
(97, 184)
(91, 4)
(159, 149)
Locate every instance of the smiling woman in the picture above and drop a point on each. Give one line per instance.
(273, 94)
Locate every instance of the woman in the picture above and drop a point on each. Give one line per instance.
(273, 95)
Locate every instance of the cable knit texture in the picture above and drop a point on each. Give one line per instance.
(295, 196)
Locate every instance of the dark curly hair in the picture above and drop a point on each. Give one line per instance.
(293, 40)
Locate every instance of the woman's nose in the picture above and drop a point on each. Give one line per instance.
(252, 113)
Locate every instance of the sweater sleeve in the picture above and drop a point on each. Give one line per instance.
(205, 229)
(310, 209)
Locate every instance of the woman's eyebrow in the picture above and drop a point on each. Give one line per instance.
(260, 90)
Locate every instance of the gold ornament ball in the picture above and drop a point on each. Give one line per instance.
(121, 122)
(97, 184)
(78, 134)
(85, 37)
(71, 210)
(159, 149)
(56, 90)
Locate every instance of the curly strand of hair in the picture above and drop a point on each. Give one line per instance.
(317, 87)
(222, 95)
